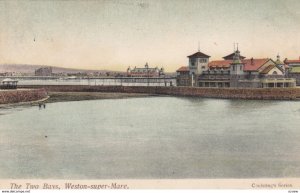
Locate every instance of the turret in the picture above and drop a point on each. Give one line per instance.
(279, 63)
(237, 66)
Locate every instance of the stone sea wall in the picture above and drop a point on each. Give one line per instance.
(22, 95)
(227, 93)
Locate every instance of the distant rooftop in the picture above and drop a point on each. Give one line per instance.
(291, 61)
(230, 57)
(183, 69)
(198, 55)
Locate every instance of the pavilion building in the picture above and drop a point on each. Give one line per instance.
(145, 72)
(234, 71)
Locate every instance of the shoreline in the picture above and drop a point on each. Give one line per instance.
(54, 97)
(221, 93)
(33, 95)
(81, 96)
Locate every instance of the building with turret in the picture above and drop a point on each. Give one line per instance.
(145, 72)
(234, 71)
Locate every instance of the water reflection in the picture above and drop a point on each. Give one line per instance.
(156, 137)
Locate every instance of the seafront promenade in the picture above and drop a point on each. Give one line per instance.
(82, 92)
(224, 93)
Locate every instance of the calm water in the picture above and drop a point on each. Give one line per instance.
(156, 137)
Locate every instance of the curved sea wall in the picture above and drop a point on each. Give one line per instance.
(227, 93)
(22, 95)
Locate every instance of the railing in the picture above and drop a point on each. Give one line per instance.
(270, 80)
(212, 72)
(212, 77)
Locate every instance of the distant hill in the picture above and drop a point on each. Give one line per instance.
(29, 68)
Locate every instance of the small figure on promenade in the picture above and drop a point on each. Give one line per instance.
(40, 106)
(44, 105)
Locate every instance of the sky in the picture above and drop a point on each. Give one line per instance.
(115, 34)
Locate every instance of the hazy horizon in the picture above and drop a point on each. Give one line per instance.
(113, 35)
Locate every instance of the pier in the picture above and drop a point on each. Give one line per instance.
(122, 81)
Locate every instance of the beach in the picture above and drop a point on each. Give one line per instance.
(79, 96)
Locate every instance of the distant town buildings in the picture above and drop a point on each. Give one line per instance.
(234, 71)
(145, 72)
(45, 71)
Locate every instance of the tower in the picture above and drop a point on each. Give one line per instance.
(198, 62)
(237, 66)
(236, 69)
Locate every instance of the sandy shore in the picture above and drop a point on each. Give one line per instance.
(79, 96)
(76, 96)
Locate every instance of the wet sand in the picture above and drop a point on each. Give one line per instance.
(79, 96)
(54, 97)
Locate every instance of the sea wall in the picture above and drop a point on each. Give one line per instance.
(22, 95)
(227, 93)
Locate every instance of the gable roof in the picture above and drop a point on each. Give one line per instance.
(183, 69)
(198, 55)
(230, 57)
(268, 69)
(254, 64)
(249, 64)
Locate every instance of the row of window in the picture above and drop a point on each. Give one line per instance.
(201, 60)
(233, 68)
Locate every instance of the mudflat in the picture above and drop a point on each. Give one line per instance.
(79, 96)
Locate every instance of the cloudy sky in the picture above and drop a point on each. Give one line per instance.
(115, 34)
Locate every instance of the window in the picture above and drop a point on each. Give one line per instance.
(203, 67)
(233, 68)
(202, 60)
(241, 68)
(275, 73)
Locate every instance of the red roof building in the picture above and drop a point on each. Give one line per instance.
(249, 64)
